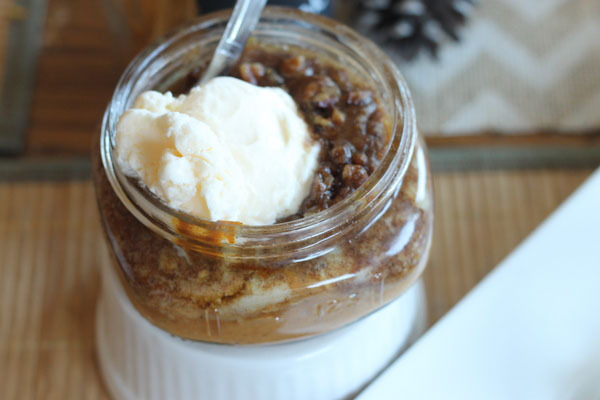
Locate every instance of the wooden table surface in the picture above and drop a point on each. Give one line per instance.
(51, 243)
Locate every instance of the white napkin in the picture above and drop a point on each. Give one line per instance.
(529, 330)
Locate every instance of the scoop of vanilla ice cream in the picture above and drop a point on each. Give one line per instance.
(227, 150)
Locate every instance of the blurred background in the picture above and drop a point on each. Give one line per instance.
(507, 94)
(522, 79)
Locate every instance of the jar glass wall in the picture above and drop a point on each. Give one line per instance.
(229, 283)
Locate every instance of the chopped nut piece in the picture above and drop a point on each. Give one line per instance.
(341, 153)
(323, 183)
(354, 175)
(341, 79)
(293, 66)
(320, 92)
(360, 158)
(360, 97)
(343, 193)
(251, 72)
(272, 78)
(322, 121)
(328, 94)
(338, 117)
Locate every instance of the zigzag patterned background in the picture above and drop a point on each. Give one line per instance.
(521, 66)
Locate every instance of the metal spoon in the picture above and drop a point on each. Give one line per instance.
(241, 24)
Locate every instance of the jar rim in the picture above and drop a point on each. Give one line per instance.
(307, 236)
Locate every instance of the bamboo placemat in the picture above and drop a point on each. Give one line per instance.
(51, 247)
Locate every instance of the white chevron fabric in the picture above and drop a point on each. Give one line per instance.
(521, 66)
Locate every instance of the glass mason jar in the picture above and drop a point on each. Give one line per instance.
(230, 283)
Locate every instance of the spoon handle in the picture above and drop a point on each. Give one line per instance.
(241, 24)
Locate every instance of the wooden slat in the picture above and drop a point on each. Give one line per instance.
(85, 50)
(9, 12)
(20, 22)
(50, 249)
(80, 63)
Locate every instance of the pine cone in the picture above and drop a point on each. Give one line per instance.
(413, 25)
